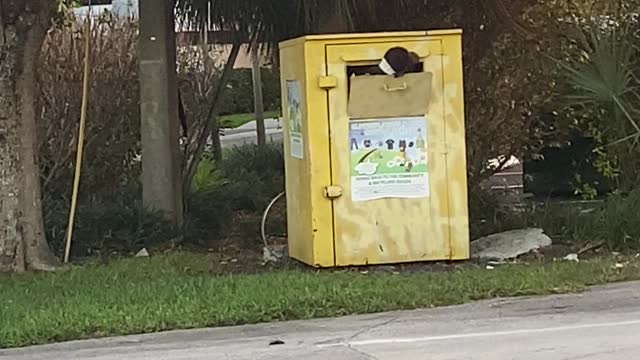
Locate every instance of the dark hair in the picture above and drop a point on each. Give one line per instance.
(401, 60)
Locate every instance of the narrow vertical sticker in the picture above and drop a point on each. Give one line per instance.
(389, 158)
(295, 119)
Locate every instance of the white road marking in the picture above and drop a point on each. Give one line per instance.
(385, 341)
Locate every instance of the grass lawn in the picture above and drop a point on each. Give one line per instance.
(179, 291)
(237, 120)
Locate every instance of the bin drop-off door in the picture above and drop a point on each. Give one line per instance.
(388, 155)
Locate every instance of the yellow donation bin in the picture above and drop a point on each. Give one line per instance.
(375, 156)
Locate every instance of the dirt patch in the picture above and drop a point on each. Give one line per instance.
(231, 257)
(560, 251)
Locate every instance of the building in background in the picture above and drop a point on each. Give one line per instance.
(129, 8)
(124, 8)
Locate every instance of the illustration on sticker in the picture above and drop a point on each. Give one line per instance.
(389, 158)
(295, 119)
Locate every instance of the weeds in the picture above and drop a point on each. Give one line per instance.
(615, 222)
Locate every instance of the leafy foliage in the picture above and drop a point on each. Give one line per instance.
(254, 175)
(110, 216)
(619, 222)
(511, 85)
(118, 226)
(602, 75)
(271, 21)
(511, 91)
(207, 179)
(245, 181)
(602, 93)
(238, 97)
(113, 130)
(508, 82)
(614, 222)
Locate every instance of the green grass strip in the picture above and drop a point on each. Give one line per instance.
(177, 292)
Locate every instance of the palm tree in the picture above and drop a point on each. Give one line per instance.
(602, 77)
(264, 23)
(603, 74)
(269, 21)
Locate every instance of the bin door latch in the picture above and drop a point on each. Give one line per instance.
(332, 192)
(327, 82)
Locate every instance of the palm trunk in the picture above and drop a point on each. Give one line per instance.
(333, 23)
(161, 157)
(23, 244)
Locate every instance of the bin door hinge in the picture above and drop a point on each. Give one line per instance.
(328, 82)
(332, 192)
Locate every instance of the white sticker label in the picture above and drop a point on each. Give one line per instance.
(389, 158)
(294, 112)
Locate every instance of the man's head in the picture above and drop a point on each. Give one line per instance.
(398, 61)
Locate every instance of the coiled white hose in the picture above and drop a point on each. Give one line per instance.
(263, 232)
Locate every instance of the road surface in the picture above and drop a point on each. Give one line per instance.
(602, 324)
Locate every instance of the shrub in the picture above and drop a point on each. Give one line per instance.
(113, 119)
(601, 91)
(238, 97)
(208, 179)
(120, 225)
(115, 222)
(207, 208)
(618, 222)
(245, 181)
(614, 223)
(253, 176)
(109, 215)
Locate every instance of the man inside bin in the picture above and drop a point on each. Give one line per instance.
(399, 61)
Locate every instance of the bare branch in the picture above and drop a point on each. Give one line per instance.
(211, 119)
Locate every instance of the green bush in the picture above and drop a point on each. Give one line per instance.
(120, 225)
(615, 222)
(619, 221)
(245, 181)
(207, 179)
(253, 176)
(600, 91)
(207, 217)
(207, 207)
(238, 96)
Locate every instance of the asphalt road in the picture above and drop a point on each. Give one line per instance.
(602, 324)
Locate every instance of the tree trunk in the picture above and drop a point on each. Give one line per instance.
(161, 158)
(258, 101)
(213, 116)
(23, 245)
(216, 142)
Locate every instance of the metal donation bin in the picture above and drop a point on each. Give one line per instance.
(375, 156)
